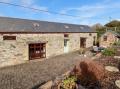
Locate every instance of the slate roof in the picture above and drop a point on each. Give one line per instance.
(8, 24)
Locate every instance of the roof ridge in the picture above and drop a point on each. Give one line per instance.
(42, 21)
(26, 25)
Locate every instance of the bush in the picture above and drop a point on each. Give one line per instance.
(109, 52)
(89, 73)
(117, 43)
(69, 83)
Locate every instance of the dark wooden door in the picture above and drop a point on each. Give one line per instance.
(82, 42)
(37, 51)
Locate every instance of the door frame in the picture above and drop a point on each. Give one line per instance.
(83, 41)
(35, 47)
(66, 45)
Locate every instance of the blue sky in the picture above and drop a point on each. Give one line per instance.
(89, 11)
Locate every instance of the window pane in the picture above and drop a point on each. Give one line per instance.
(105, 38)
(9, 37)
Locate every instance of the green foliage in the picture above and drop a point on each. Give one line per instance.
(100, 31)
(113, 23)
(109, 52)
(118, 30)
(69, 83)
(117, 43)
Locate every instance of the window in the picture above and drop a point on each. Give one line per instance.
(66, 35)
(37, 50)
(90, 34)
(105, 38)
(65, 42)
(9, 37)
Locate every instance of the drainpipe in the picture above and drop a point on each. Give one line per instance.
(115, 29)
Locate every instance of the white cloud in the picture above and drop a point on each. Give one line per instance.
(32, 4)
(92, 10)
(40, 7)
(86, 10)
(5, 0)
(1, 14)
(118, 19)
(106, 1)
(63, 12)
(89, 12)
(27, 2)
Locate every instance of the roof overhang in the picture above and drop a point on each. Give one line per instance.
(41, 32)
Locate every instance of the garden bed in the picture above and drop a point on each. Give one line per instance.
(89, 74)
(92, 74)
(109, 81)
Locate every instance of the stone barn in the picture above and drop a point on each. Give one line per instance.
(22, 39)
(109, 38)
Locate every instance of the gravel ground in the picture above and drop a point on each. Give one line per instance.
(31, 75)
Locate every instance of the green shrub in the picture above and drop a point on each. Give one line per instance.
(109, 52)
(69, 83)
(117, 43)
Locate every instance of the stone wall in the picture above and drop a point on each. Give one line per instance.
(16, 51)
(111, 38)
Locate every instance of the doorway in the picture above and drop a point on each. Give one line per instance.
(82, 42)
(66, 45)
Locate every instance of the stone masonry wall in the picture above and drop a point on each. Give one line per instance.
(16, 51)
(110, 39)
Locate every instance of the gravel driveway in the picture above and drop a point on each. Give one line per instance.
(31, 75)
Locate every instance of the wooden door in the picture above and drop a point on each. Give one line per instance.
(37, 51)
(82, 42)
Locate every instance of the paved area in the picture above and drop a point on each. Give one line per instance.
(31, 75)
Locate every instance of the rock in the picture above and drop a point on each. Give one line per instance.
(80, 87)
(55, 82)
(88, 54)
(117, 82)
(66, 74)
(117, 57)
(112, 69)
(47, 85)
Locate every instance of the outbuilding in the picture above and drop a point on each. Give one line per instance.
(22, 39)
(109, 38)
